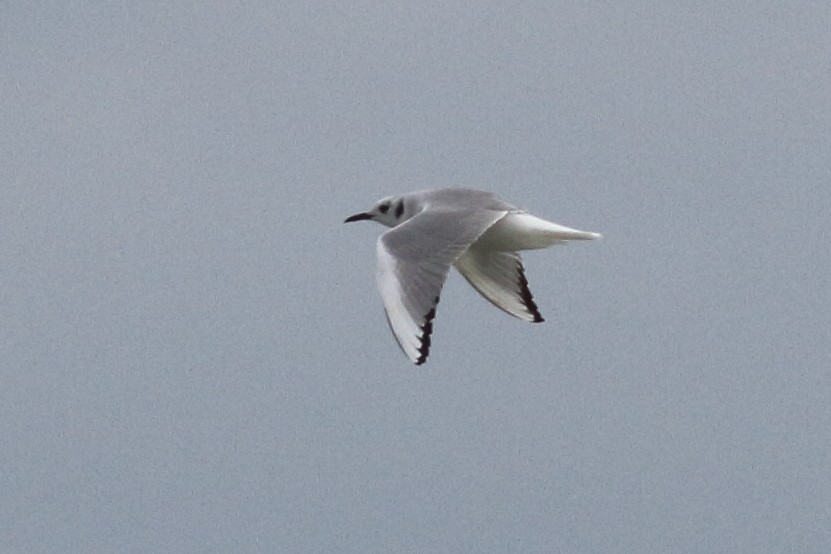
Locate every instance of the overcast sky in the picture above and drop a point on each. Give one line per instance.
(193, 354)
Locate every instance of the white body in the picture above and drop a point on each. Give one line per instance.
(478, 233)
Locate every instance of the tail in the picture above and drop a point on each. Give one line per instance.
(527, 232)
(560, 232)
(523, 231)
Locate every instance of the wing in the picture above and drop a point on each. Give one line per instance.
(413, 261)
(500, 277)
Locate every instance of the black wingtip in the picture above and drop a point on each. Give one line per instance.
(426, 332)
(526, 296)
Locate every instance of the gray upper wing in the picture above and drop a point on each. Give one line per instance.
(413, 261)
(499, 276)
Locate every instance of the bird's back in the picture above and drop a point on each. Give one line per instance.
(463, 199)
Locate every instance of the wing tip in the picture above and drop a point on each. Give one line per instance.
(426, 333)
(526, 297)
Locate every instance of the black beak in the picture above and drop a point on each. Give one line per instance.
(358, 217)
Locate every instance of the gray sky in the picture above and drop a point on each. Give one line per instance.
(194, 357)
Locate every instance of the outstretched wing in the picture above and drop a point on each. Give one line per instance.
(499, 276)
(413, 261)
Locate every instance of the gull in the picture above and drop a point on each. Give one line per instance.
(472, 230)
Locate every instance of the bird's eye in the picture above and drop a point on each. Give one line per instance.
(384, 208)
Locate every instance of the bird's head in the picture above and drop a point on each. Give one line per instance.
(391, 211)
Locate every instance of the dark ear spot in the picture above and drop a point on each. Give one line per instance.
(399, 209)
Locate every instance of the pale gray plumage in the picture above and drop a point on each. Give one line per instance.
(475, 231)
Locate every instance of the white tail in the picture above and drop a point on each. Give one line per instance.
(523, 231)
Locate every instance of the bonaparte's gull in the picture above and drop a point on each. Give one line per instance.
(474, 231)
